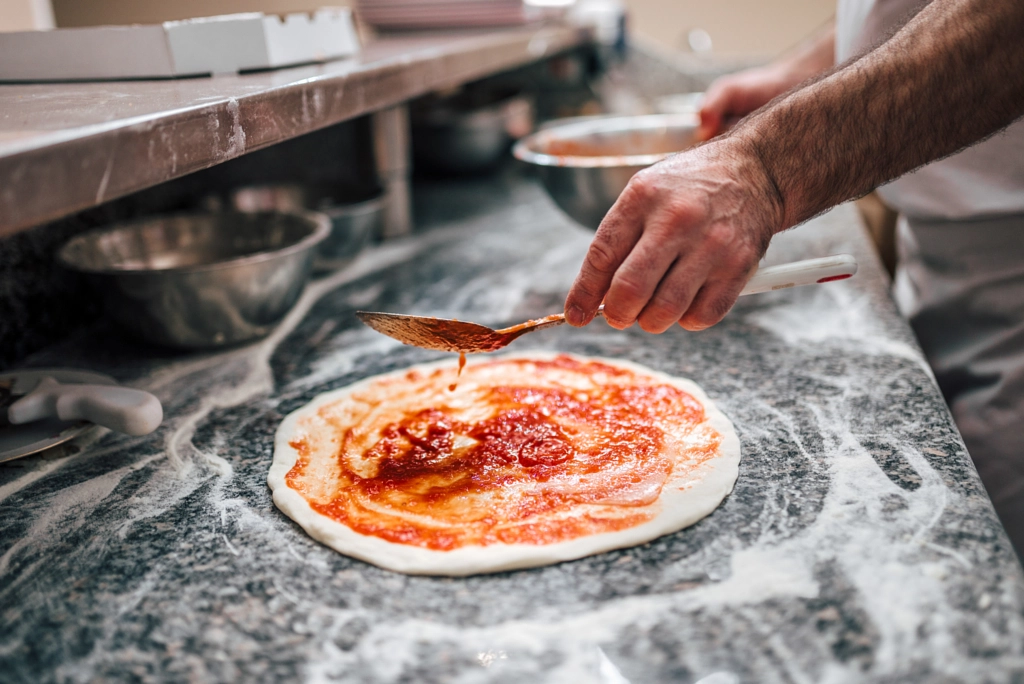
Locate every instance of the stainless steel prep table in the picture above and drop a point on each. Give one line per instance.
(858, 544)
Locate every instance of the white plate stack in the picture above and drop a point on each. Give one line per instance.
(426, 14)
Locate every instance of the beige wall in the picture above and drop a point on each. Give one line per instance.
(736, 27)
(25, 15)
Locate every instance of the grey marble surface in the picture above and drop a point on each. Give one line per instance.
(858, 544)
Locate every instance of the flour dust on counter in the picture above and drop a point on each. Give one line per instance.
(533, 459)
(857, 545)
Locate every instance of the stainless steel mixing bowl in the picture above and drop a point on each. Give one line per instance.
(355, 220)
(200, 280)
(585, 165)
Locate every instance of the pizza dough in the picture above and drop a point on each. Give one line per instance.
(533, 459)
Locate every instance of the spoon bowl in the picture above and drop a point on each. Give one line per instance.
(448, 334)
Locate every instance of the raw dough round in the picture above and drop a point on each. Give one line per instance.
(682, 474)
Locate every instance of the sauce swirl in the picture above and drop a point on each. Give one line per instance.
(527, 451)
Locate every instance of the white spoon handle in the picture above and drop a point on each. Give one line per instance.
(807, 272)
(121, 409)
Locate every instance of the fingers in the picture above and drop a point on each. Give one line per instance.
(615, 239)
(673, 296)
(712, 113)
(732, 97)
(713, 301)
(678, 245)
(720, 101)
(639, 275)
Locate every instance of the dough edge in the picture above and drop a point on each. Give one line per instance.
(679, 508)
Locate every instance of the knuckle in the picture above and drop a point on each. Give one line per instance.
(709, 310)
(661, 232)
(686, 216)
(714, 311)
(601, 257)
(718, 308)
(657, 318)
(683, 208)
(720, 238)
(627, 290)
(640, 188)
(583, 294)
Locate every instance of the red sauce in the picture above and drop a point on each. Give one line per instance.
(537, 467)
(636, 145)
(462, 364)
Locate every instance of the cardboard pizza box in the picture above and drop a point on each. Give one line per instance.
(193, 47)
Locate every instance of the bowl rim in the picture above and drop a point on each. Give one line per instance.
(321, 231)
(378, 196)
(524, 148)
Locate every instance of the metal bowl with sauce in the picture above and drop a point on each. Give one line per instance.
(200, 280)
(585, 165)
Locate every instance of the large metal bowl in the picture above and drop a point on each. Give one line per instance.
(585, 165)
(355, 220)
(200, 280)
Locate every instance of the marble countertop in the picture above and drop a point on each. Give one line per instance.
(858, 544)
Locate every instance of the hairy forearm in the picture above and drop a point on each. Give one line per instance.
(953, 75)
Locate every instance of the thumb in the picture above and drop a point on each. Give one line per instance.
(718, 103)
(710, 124)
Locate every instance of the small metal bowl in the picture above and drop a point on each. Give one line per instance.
(585, 165)
(458, 136)
(355, 220)
(200, 280)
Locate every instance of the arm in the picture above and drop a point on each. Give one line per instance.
(737, 95)
(952, 76)
(685, 234)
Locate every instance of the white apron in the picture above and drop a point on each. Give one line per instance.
(960, 277)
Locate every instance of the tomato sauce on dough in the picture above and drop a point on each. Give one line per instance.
(527, 451)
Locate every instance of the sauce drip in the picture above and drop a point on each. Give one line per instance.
(548, 451)
(462, 364)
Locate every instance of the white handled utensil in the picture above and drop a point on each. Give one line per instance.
(121, 409)
(807, 272)
(445, 334)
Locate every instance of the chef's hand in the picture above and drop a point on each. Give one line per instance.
(686, 234)
(681, 241)
(732, 97)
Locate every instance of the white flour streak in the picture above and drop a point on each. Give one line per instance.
(236, 140)
(845, 319)
(254, 360)
(496, 295)
(352, 345)
(65, 510)
(101, 191)
(846, 533)
(246, 375)
(760, 574)
(388, 647)
(231, 547)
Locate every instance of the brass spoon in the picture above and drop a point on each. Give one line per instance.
(446, 334)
